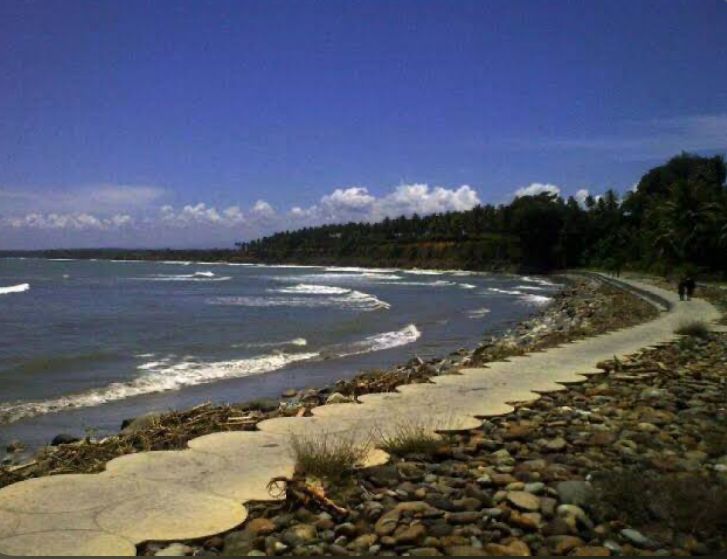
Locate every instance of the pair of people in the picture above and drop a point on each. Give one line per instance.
(686, 288)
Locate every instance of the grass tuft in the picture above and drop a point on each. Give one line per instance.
(327, 457)
(410, 438)
(695, 329)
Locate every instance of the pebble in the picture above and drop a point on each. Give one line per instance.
(174, 550)
(523, 500)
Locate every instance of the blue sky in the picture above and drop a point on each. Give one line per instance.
(201, 123)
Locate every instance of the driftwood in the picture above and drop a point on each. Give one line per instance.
(298, 492)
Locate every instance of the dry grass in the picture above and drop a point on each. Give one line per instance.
(410, 438)
(327, 457)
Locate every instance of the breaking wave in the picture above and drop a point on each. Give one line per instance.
(540, 281)
(505, 291)
(478, 313)
(163, 375)
(377, 342)
(533, 299)
(196, 276)
(310, 289)
(342, 277)
(20, 288)
(156, 376)
(345, 298)
(299, 342)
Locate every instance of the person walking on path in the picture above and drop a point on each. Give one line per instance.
(682, 289)
(690, 285)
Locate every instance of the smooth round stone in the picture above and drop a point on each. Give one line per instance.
(68, 543)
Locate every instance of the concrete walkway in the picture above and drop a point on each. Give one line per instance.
(198, 492)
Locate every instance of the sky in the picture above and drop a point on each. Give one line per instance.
(198, 124)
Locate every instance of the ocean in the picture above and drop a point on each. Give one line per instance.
(86, 344)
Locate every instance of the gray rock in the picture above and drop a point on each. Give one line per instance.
(140, 423)
(578, 493)
(14, 446)
(337, 398)
(262, 404)
(238, 544)
(299, 534)
(637, 538)
(64, 438)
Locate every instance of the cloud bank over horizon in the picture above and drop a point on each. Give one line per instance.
(140, 216)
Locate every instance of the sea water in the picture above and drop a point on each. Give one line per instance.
(85, 344)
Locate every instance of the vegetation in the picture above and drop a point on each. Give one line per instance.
(675, 219)
(326, 457)
(695, 329)
(410, 438)
(688, 503)
(674, 222)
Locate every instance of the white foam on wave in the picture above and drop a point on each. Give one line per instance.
(540, 281)
(162, 375)
(533, 299)
(478, 313)
(157, 376)
(299, 342)
(378, 342)
(196, 276)
(418, 272)
(354, 269)
(347, 299)
(312, 289)
(341, 277)
(532, 287)
(437, 283)
(20, 288)
(504, 291)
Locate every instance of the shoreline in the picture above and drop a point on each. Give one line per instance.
(569, 316)
(630, 462)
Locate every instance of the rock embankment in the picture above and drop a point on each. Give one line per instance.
(631, 462)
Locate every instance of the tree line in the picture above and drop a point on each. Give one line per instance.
(674, 221)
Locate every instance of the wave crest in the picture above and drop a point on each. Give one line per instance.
(20, 288)
(162, 376)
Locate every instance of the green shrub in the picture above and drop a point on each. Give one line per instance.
(690, 503)
(695, 329)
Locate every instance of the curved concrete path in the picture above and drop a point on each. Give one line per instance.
(198, 492)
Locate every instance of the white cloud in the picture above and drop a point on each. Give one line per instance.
(357, 204)
(581, 196)
(537, 188)
(192, 224)
(263, 210)
(354, 199)
(75, 222)
(101, 199)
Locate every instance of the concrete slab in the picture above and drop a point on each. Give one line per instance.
(198, 492)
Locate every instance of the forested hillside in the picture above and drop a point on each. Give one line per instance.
(676, 218)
